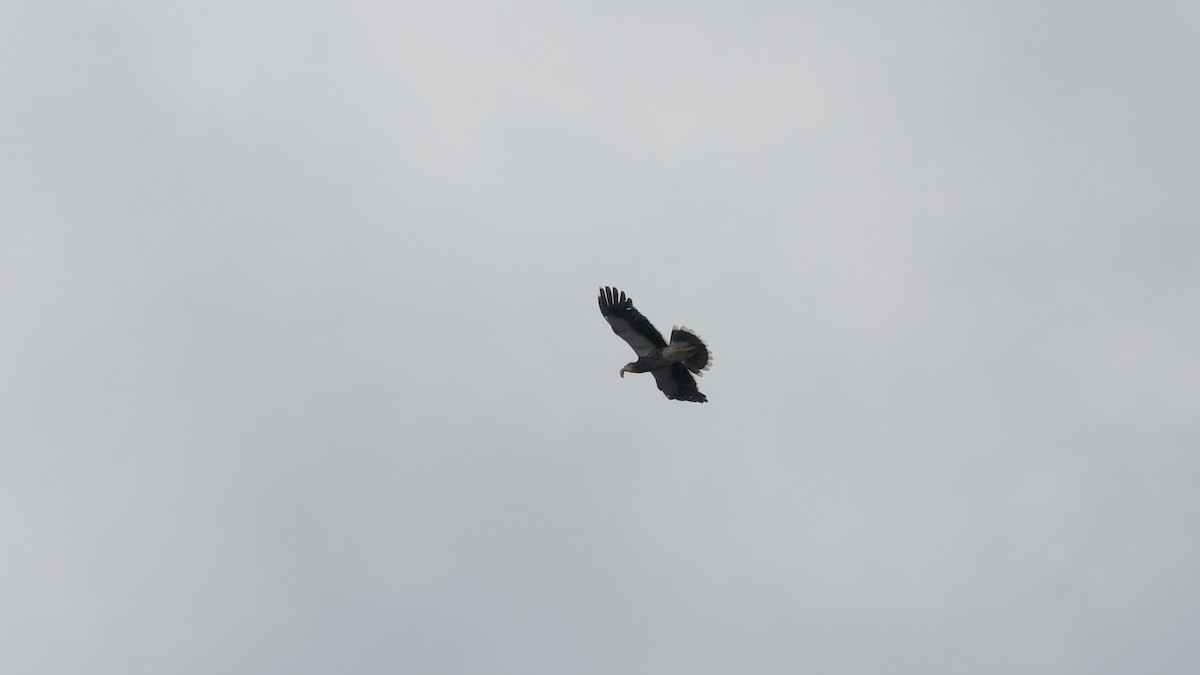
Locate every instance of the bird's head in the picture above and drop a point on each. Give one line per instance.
(627, 369)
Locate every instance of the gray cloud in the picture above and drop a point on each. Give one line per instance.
(301, 368)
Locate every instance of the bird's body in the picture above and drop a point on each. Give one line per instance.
(672, 363)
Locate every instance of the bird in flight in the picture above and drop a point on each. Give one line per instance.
(672, 364)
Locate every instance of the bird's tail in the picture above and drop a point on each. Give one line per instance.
(696, 358)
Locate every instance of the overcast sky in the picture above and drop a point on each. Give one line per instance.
(301, 368)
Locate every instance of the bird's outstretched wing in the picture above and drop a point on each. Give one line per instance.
(678, 384)
(629, 323)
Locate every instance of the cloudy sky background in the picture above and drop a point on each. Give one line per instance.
(301, 369)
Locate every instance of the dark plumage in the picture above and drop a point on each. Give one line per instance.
(672, 364)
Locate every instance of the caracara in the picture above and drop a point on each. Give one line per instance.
(671, 364)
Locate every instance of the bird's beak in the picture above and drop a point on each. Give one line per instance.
(622, 372)
(625, 369)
